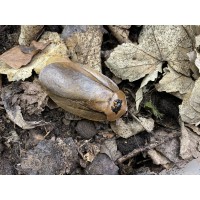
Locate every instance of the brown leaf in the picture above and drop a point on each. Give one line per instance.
(15, 102)
(21, 55)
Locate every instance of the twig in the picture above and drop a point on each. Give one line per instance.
(148, 147)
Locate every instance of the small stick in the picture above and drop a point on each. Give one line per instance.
(148, 147)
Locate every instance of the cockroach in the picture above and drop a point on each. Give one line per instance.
(83, 91)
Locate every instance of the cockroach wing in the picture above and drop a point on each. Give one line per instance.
(78, 108)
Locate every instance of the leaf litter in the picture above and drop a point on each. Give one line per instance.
(167, 55)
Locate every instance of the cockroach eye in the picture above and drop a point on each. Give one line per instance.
(116, 106)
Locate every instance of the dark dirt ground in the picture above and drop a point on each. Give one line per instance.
(60, 146)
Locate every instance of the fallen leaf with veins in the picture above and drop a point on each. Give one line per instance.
(173, 82)
(157, 44)
(84, 44)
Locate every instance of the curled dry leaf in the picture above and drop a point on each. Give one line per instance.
(32, 100)
(120, 32)
(29, 33)
(189, 143)
(157, 44)
(56, 48)
(84, 44)
(22, 55)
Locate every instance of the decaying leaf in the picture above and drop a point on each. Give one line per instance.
(56, 48)
(87, 150)
(29, 33)
(187, 112)
(189, 109)
(171, 151)
(173, 82)
(131, 128)
(159, 159)
(32, 100)
(120, 32)
(157, 44)
(189, 143)
(22, 55)
(109, 147)
(84, 44)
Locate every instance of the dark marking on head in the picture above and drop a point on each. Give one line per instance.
(116, 106)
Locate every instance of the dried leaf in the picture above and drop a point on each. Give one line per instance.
(138, 97)
(120, 32)
(126, 130)
(34, 98)
(57, 48)
(84, 44)
(175, 82)
(159, 159)
(21, 55)
(148, 124)
(187, 112)
(109, 147)
(189, 143)
(157, 44)
(11, 99)
(29, 33)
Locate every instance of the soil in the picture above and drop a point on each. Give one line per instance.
(51, 142)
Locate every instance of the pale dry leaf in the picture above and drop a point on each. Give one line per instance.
(194, 128)
(189, 143)
(109, 147)
(197, 61)
(159, 159)
(187, 112)
(157, 44)
(148, 124)
(57, 48)
(126, 130)
(173, 81)
(29, 33)
(195, 96)
(171, 151)
(120, 32)
(84, 44)
(152, 76)
(138, 97)
(192, 56)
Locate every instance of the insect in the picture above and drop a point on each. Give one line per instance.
(83, 91)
